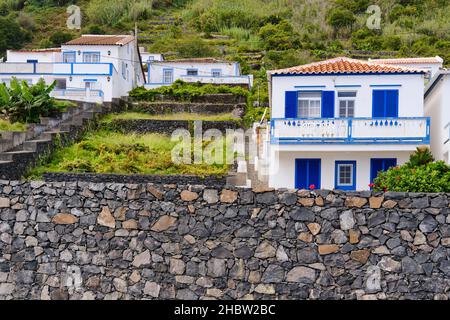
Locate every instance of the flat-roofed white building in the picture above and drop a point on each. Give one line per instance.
(204, 70)
(89, 68)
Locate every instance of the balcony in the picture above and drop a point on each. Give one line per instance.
(22, 68)
(78, 94)
(351, 131)
(236, 80)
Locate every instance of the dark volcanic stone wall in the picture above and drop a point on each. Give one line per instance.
(79, 240)
(169, 126)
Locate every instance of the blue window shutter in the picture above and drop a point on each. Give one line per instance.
(307, 172)
(290, 107)
(314, 173)
(391, 103)
(327, 104)
(380, 164)
(378, 103)
(301, 173)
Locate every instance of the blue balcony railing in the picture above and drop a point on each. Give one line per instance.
(414, 130)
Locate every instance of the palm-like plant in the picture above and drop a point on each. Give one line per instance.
(26, 103)
(420, 157)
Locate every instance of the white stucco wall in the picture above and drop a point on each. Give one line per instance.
(437, 107)
(23, 56)
(285, 176)
(180, 69)
(146, 56)
(410, 91)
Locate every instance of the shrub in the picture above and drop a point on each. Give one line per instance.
(279, 36)
(60, 37)
(95, 29)
(340, 18)
(27, 103)
(419, 174)
(12, 36)
(194, 47)
(106, 12)
(185, 91)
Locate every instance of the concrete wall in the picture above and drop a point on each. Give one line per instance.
(180, 69)
(23, 56)
(80, 240)
(437, 107)
(283, 168)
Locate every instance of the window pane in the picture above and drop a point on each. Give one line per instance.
(350, 108)
(345, 174)
(310, 95)
(192, 72)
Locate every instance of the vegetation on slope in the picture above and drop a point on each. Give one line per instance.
(105, 151)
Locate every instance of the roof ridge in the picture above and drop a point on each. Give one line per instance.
(356, 65)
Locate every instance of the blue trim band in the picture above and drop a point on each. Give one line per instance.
(347, 86)
(385, 85)
(310, 86)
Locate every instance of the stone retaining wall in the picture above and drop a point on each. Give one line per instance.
(212, 180)
(79, 240)
(237, 110)
(227, 98)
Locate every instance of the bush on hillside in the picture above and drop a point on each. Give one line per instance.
(279, 36)
(12, 36)
(420, 174)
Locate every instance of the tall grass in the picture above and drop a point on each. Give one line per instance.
(105, 151)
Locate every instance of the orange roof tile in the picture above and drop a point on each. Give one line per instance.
(343, 65)
(437, 60)
(101, 40)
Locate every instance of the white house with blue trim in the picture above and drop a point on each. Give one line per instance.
(203, 70)
(437, 107)
(90, 68)
(335, 124)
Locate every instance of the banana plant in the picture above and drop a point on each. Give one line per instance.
(26, 103)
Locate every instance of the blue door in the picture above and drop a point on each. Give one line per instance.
(307, 173)
(385, 103)
(380, 164)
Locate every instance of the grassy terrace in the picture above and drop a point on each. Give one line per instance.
(104, 151)
(170, 116)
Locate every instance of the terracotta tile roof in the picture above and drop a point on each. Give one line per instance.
(196, 60)
(38, 50)
(343, 65)
(101, 40)
(437, 60)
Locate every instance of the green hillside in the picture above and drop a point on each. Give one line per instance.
(261, 34)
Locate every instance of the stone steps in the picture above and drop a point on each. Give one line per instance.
(20, 150)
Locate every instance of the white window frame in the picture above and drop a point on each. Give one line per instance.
(164, 80)
(340, 166)
(72, 54)
(309, 107)
(192, 70)
(346, 101)
(91, 57)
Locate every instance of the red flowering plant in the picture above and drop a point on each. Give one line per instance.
(312, 187)
(420, 174)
